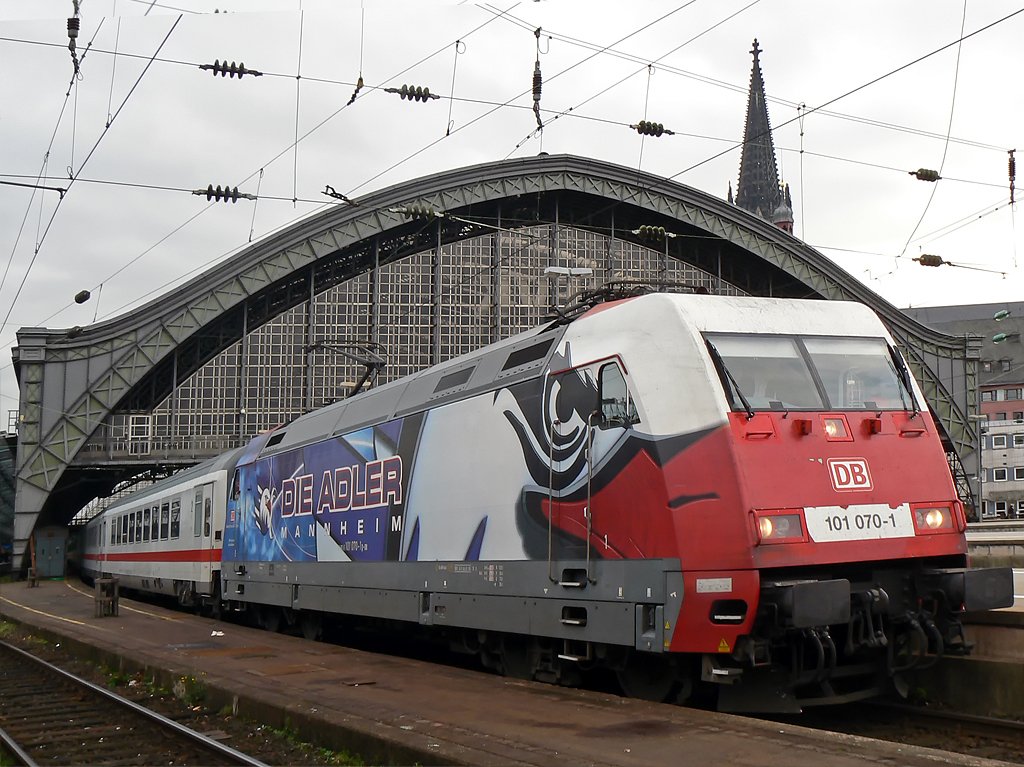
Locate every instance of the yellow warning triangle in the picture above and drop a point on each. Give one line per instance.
(723, 646)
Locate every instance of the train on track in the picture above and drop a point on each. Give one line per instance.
(736, 497)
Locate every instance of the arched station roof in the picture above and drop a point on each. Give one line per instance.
(71, 380)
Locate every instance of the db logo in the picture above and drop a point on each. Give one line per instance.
(849, 473)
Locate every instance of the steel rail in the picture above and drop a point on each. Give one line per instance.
(162, 721)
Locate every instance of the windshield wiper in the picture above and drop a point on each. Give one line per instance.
(723, 372)
(899, 366)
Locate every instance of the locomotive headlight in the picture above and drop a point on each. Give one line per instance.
(933, 519)
(836, 429)
(783, 526)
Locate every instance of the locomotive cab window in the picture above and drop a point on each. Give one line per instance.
(775, 372)
(617, 406)
(236, 486)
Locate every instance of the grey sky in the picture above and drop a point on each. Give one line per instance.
(182, 128)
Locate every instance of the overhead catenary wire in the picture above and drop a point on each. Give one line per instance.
(72, 181)
(949, 130)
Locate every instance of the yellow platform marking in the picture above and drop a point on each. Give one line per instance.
(40, 612)
(125, 607)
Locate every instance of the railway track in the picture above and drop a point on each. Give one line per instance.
(48, 716)
(970, 734)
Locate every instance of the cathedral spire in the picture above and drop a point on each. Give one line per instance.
(758, 189)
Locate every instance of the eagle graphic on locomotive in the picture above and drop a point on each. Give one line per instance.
(737, 497)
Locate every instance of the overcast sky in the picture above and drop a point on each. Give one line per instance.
(174, 128)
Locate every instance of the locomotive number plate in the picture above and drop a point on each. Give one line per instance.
(863, 522)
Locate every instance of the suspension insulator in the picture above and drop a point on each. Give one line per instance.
(74, 25)
(646, 128)
(413, 93)
(924, 174)
(929, 260)
(224, 70)
(1012, 168)
(226, 194)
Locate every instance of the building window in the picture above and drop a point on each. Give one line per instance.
(1012, 394)
(986, 367)
(1018, 473)
(988, 396)
(1000, 416)
(1018, 415)
(1001, 507)
(1004, 365)
(999, 440)
(999, 475)
(1018, 440)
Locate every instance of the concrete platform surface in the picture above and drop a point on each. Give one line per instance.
(406, 711)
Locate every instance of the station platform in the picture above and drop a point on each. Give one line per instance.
(402, 711)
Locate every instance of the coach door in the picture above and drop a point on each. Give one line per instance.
(203, 522)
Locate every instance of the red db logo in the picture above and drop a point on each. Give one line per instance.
(849, 473)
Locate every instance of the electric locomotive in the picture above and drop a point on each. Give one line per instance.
(741, 497)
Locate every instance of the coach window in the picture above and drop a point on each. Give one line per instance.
(145, 525)
(131, 527)
(156, 523)
(113, 533)
(207, 517)
(197, 512)
(175, 519)
(124, 529)
(138, 526)
(617, 406)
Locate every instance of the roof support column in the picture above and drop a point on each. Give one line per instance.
(435, 300)
(496, 246)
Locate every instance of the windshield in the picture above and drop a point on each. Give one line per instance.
(809, 373)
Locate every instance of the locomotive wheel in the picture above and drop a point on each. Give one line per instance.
(312, 625)
(648, 677)
(270, 619)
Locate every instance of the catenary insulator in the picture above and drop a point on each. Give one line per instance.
(929, 260)
(222, 68)
(82, 296)
(225, 194)
(537, 86)
(413, 93)
(924, 174)
(647, 128)
(74, 25)
(654, 233)
(1012, 168)
(421, 212)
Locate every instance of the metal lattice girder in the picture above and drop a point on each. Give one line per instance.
(68, 386)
